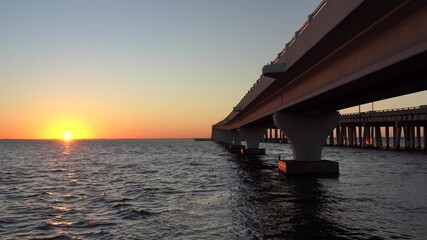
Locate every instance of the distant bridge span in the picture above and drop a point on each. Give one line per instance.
(348, 52)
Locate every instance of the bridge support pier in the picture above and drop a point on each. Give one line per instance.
(228, 138)
(219, 135)
(235, 144)
(397, 135)
(425, 137)
(234, 137)
(418, 137)
(307, 133)
(252, 136)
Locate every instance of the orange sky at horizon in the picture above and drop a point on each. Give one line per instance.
(89, 120)
(123, 128)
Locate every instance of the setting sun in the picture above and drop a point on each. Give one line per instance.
(67, 136)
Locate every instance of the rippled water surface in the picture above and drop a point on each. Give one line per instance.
(197, 190)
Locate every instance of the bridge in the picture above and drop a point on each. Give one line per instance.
(347, 53)
(385, 129)
(366, 129)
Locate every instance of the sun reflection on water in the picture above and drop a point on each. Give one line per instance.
(67, 148)
(61, 208)
(60, 223)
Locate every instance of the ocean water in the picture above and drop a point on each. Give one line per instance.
(197, 190)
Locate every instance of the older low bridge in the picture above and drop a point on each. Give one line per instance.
(348, 52)
(371, 128)
(386, 129)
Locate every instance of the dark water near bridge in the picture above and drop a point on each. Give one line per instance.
(197, 190)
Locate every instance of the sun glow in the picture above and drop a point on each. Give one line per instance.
(67, 136)
(68, 129)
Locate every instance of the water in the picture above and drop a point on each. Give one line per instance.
(197, 190)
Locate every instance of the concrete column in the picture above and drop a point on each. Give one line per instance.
(226, 137)
(331, 138)
(360, 136)
(234, 142)
(365, 136)
(397, 134)
(274, 135)
(355, 135)
(394, 131)
(219, 135)
(350, 136)
(214, 134)
(344, 135)
(406, 136)
(418, 136)
(283, 136)
(234, 137)
(387, 137)
(252, 136)
(306, 132)
(378, 137)
(412, 134)
(338, 130)
(425, 137)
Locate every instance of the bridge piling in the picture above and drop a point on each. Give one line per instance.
(406, 137)
(378, 137)
(425, 137)
(252, 136)
(354, 136)
(388, 129)
(387, 137)
(234, 137)
(398, 128)
(307, 134)
(418, 137)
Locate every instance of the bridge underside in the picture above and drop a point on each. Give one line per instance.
(377, 51)
(402, 78)
(405, 77)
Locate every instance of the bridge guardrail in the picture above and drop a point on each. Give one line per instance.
(262, 81)
(410, 113)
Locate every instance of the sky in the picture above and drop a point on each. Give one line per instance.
(138, 69)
